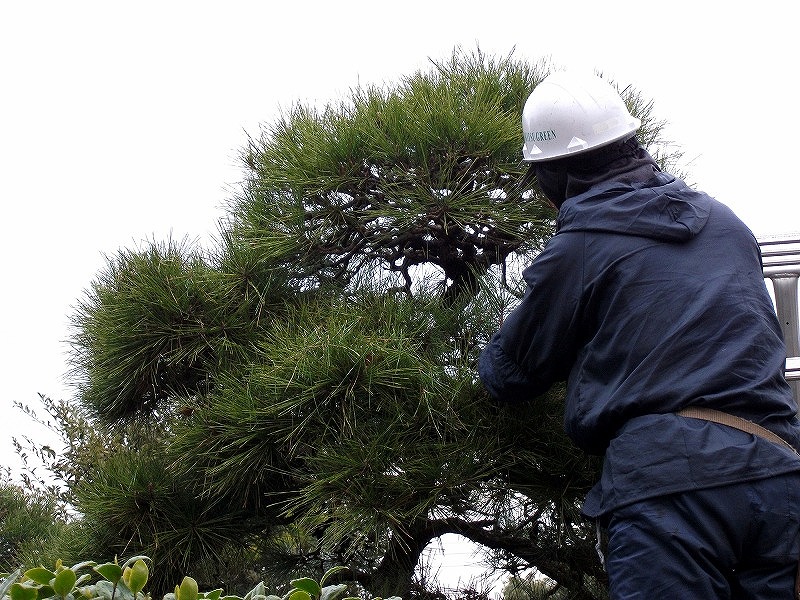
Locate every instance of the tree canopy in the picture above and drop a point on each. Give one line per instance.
(305, 393)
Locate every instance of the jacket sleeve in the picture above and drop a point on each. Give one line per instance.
(538, 342)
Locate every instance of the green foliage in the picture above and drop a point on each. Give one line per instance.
(155, 326)
(533, 588)
(84, 445)
(305, 394)
(424, 173)
(127, 582)
(28, 518)
(134, 499)
(187, 590)
(337, 393)
(117, 582)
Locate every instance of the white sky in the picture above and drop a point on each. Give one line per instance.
(121, 121)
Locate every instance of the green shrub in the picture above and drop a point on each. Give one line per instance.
(112, 581)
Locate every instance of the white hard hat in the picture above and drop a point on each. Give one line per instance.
(569, 113)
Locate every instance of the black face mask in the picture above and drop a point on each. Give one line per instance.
(563, 178)
(552, 181)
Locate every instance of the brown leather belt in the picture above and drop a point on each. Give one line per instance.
(723, 418)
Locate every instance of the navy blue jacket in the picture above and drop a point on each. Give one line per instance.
(651, 298)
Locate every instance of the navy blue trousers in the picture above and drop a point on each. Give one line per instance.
(738, 541)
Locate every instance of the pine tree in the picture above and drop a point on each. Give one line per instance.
(305, 394)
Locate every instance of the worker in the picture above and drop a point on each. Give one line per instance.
(650, 302)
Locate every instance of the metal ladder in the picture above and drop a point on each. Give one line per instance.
(781, 259)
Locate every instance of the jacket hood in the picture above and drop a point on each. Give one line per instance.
(662, 208)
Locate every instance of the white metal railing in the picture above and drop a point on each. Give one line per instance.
(793, 368)
(781, 259)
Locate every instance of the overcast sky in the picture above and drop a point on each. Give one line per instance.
(122, 121)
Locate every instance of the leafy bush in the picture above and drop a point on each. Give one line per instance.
(112, 581)
(27, 520)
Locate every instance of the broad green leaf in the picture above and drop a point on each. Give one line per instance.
(212, 595)
(300, 595)
(22, 592)
(110, 571)
(137, 577)
(40, 575)
(308, 585)
(187, 590)
(64, 582)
